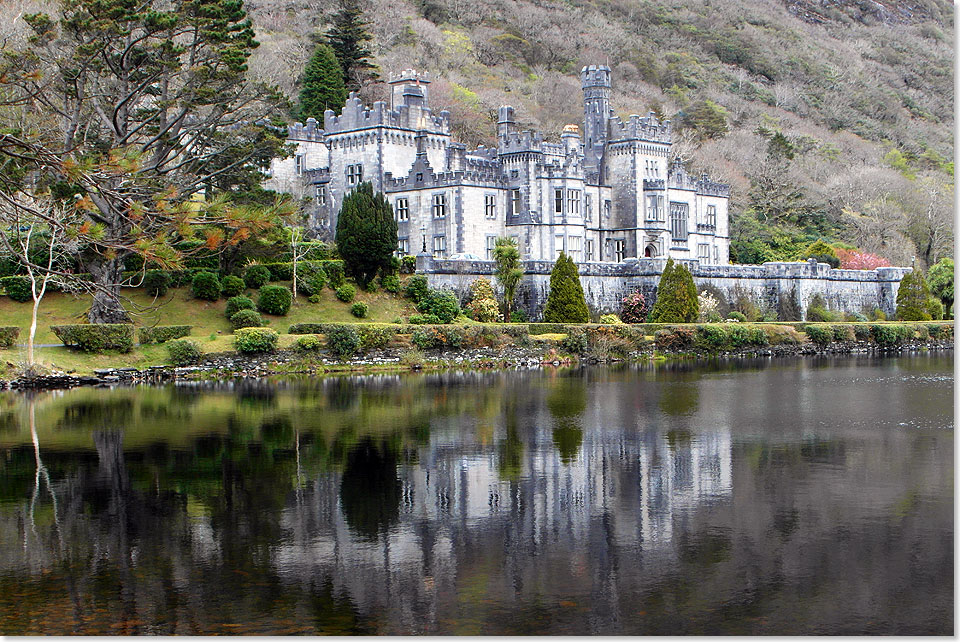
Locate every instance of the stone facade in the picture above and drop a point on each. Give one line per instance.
(605, 284)
(606, 197)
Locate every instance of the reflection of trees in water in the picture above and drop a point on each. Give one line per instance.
(370, 489)
(679, 399)
(566, 402)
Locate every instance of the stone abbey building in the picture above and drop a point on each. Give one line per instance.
(607, 195)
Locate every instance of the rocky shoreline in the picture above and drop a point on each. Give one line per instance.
(288, 362)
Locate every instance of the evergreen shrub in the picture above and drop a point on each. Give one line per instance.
(232, 286)
(343, 340)
(8, 335)
(96, 337)
(819, 334)
(206, 286)
(256, 276)
(251, 340)
(157, 282)
(416, 288)
(184, 352)
(359, 309)
(390, 283)
(676, 296)
(346, 292)
(163, 333)
(565, 301)
(246, 319)
(308, 343)
(274, 299)
(17, 288)
(237, 303)
(440, 303)
(912, 298)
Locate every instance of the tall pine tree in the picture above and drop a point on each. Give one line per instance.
(366, 233)
(323, 86)
(565, 302)
(347, 37)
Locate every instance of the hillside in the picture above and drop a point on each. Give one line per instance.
(863, 91)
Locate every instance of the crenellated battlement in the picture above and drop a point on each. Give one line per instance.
(308, 133)
(645, 128)
(525, 141)
(357, 115)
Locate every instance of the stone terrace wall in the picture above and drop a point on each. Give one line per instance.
(605, 284)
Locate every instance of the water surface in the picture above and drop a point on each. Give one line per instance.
(749, 497)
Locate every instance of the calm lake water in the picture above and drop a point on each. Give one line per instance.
(750, 497)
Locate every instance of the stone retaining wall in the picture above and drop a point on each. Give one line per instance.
(605, 284)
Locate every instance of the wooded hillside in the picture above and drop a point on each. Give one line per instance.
(860, 93)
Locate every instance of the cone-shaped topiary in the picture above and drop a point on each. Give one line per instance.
(565, 302)
(366, 233)
(912, 297)
(676, 296)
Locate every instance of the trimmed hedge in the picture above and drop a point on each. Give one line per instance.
(250, 340)
(17, 288)
(96, 337)
(8, 335)
(283, 271)
(163, 333)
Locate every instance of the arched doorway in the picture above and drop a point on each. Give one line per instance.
(650, 252)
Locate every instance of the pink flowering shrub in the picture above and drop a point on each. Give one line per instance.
(857, 260)
(634, 308)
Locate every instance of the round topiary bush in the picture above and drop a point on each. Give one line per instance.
(183, 352)
(232, 286)
(206, 286)
(359, 309)
(274, 299)
(256, 276)
(156, 282)
(246, 319)
(249, 340)
(237, 303)
(346, 293)
(343, 340)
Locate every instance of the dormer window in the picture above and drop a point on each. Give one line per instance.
(354, 174)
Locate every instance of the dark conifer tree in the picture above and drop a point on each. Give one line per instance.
(676, 296)
(347, 37)
(912, 297)
(323, 86)
(366, 233)
(565, 302)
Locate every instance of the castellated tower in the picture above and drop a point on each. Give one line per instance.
(595, 82)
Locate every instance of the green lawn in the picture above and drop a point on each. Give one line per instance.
(178, 307)
(210, 328)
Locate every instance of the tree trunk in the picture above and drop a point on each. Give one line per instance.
(106, 308)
